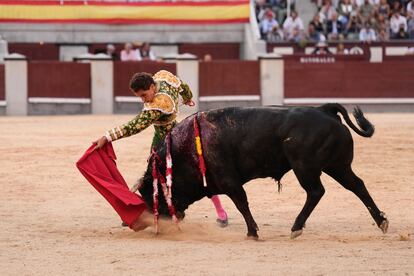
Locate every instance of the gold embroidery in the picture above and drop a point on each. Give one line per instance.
(166, 121)
(161, 102)
(168, 77)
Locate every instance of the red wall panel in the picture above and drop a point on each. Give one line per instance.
(220, 78)
(349, 79)
(123, 72)
(59, 79)
(36, 51)
(2, 83)
(216, 50)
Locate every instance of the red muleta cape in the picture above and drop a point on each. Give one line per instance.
(99, 168)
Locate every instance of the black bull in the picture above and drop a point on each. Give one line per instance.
(241, 144)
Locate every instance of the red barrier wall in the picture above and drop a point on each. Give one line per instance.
(349, 79)
(123, 71)
(36, 51)
(224, 78)
(59, 79)
(2, 83)
(216, 50)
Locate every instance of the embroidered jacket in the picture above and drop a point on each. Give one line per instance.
(161, 111)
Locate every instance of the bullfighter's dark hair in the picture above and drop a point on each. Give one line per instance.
(141, 81)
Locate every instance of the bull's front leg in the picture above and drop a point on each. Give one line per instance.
(239, 197)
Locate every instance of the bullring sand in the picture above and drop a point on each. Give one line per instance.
(52, 222)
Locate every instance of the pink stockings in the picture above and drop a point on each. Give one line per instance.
(221, 214)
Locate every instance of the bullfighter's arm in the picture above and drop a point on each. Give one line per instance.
(136, 125)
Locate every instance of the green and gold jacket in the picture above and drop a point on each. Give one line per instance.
(160, 112)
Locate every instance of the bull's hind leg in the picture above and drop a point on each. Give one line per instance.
(310, 181)
(347, 178)
(239, 197)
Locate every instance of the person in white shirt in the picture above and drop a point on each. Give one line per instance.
(268, 23)
(291, 23)
(367, 34)
(397, 20)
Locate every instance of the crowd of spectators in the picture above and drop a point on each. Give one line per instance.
(132, 52)
(352, 20)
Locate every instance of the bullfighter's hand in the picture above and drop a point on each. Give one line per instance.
(189, 103)
(100, 142)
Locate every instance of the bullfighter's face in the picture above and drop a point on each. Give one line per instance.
(146, 95)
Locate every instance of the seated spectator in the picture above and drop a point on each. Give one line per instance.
(384, 9)
(207, 58)
(262, 14)
(359, 3)
(396, 5)
(402, 33)
(291, 23)
(313, 35)
(345, 8)
(327, 11)
(410, 9)
(276, 35)
(383, 35)
(410, 27)
(395, 23)
(280, 8)
(381, 23)
(296, 35)
(340, 49)
(334, 27)
(260, 7)
(144, 52)
(353, 27)
(268, 23)
(128, 53)
(321, 49)
(367, 34)
(366, 11)
(110, 51)
(317, 24)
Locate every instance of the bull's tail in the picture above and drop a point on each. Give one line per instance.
(367, 129)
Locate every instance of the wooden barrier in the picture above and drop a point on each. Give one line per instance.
(2, 83)
(59, 79)
(216, 50)
(405, 58)
(36, 51)
(226, 78)
(349, 79)
(123, 71)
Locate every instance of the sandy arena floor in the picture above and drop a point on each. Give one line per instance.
(52, 221)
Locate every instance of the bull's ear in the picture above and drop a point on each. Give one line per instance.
(137, 185)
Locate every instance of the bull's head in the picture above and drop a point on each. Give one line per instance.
(145, 187)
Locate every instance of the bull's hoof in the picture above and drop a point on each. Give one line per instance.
(252, 236)
(384, 226)
(296, 234)
(124, 224)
